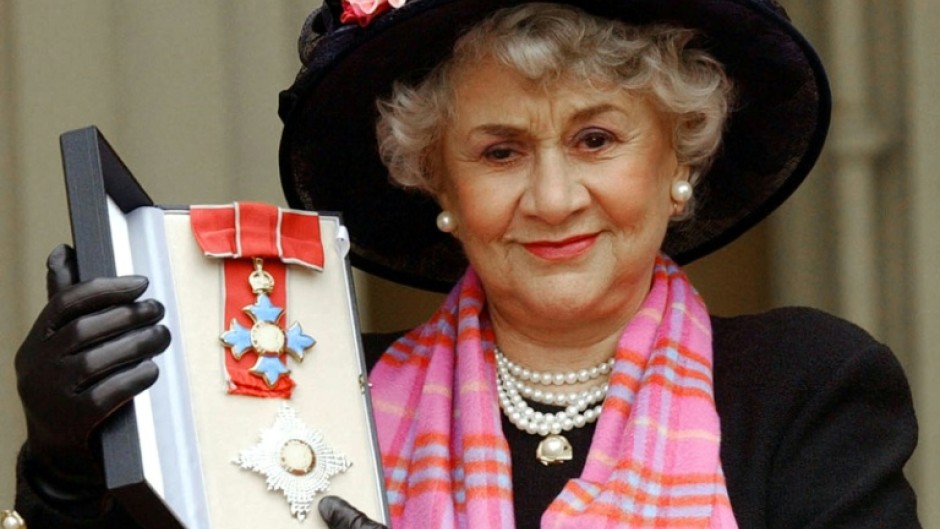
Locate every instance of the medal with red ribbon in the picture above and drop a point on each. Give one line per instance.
(256, 242)
(265, 337)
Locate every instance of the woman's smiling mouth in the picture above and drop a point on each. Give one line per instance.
(562, 250)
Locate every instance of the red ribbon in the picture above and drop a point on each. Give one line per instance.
(251, 229)
(239, 233)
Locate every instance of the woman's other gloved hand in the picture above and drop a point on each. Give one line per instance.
(89, 351)
(340, 515)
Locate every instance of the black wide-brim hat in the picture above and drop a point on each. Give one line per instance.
(329, 159)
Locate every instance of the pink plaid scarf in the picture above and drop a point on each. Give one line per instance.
(653, 460)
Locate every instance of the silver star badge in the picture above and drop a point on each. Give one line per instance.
(295, 460)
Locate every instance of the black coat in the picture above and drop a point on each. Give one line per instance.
(817, 422)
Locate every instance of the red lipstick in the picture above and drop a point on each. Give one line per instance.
(561, 250)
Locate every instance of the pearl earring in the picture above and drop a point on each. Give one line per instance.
(681, 191)
(446, 221)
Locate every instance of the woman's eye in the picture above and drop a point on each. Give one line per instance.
(499, 154)
(594, 140)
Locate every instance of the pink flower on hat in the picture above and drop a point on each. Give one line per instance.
(363, 11)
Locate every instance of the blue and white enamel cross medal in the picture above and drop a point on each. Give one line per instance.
(266, 337)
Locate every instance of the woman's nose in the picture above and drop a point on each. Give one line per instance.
(555, 190)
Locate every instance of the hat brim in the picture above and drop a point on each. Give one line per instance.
(329, 159)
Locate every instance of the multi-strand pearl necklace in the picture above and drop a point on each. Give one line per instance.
(515, 384)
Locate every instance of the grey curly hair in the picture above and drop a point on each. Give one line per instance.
(549, 42)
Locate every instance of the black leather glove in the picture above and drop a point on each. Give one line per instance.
(340, 515)
(88, 353)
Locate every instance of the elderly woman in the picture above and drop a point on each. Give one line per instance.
(572, 153)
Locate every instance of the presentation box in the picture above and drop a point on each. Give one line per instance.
(188, 453)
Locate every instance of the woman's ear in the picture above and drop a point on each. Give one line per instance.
(683, 172)
(443, 200)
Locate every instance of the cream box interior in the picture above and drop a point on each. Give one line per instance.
(191, 430)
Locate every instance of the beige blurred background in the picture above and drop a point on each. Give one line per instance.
(187, 94)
